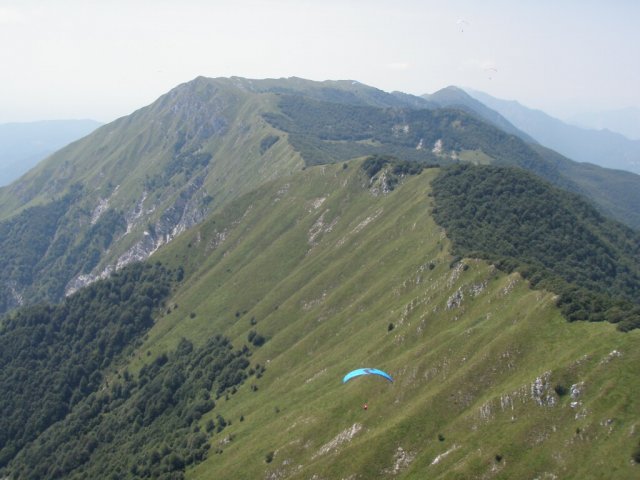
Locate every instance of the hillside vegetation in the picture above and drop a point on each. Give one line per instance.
(326, 132)
(115, 196)
(332, 270)
(132, 186)
(555, 238)
(51, 357)
(44, 247)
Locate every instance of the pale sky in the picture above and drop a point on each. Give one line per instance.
(105, 59)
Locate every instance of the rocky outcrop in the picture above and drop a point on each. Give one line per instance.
(187, 210)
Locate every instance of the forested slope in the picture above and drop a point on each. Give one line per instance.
(556, 239)
(296, 283)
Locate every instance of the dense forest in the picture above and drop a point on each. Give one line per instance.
(41, 251)
(556, 239)
(91, 418)
(54, 356)
(145, 426)
(325, 132)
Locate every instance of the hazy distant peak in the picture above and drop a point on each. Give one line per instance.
(24, 144)
(455, 97)
(625, 121)
(599, 147)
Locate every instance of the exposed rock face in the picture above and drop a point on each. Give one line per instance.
(187, 210)
(542, 392)
(343, 437)
(401, 461)
(576, 392)
(16, 296)
(455, 300)
(198, 105)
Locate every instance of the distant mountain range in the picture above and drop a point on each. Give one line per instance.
(23, 145)
(600, 147)
(625, 121)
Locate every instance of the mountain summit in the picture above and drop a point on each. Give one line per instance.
(117, 195)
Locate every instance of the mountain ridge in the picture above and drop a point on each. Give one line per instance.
(278, 274)
(333, 270)
(163, 169)
(624, 121)
(454, 97)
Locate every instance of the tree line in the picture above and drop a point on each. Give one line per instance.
(555, 239)
(54, 356)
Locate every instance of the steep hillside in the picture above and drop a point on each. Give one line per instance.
(615, 192)
(52, 357)
(454, 97)
(142, 179)
(331, 270)
(555, 238)
(119, 194)
(134, 185)
(325, 132)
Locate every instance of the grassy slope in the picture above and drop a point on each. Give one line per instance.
(465, 373)
(133, 166)
(145, 143)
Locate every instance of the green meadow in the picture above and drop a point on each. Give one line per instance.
(490, 380)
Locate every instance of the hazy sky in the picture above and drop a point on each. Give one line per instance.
(105, 59)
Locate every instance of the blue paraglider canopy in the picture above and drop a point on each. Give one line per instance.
(366, 371)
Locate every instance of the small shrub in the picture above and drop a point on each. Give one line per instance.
(561, 390)
(210, 426)
(267, 142)
(441, 437)
(269, 457)
(636, 454)
(390, 327)
(258, 340)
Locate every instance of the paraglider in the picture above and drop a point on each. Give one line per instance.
(461, 22)
(491, 69)
(366, 371)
